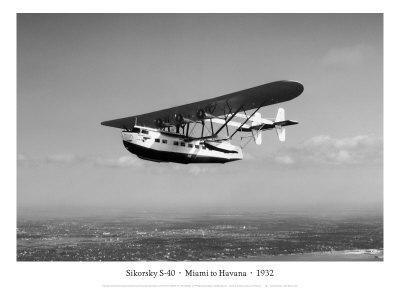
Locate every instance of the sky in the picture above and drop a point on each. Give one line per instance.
(75, 71)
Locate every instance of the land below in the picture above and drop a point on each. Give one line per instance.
(144, 237)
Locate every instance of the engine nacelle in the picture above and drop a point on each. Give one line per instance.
(181, 119)
(202, 114)
(160, 123)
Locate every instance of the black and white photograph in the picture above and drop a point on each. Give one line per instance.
(176, 137)
(163, 151)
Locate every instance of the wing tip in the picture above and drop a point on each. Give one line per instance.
(296, 88)
(295, 82)
(109, 124)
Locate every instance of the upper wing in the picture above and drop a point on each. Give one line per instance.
(263, 95)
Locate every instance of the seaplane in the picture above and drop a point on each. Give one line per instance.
(192, 133)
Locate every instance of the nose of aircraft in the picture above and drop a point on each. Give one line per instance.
(126, 136)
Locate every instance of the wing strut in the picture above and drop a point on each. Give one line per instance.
(227, 121)
(248, 118)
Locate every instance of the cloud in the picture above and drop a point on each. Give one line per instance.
(248, 156)
(65, 159)
(347, 56)
(285, 159)
(318, 150)
(21, 157)
(197, 170)
(325, 150)
(24, 160)
(70, 159)
(119, 162)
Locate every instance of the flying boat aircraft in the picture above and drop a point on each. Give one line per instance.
(169, 135)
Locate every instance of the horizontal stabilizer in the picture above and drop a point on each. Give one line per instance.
(286, 123)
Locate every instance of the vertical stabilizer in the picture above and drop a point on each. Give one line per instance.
(257, 133)
(258, 137)
(280, 116)
(280, 130)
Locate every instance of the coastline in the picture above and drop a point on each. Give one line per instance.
(342, 255)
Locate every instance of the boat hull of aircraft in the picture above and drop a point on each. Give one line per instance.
(155, 146)
(176, 157)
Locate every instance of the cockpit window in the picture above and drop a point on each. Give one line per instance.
(135, 130)
(144, 131)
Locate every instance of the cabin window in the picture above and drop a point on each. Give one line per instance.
(157, 140)
(164, 141)
(197, 146)
(176, 143)
(204, 147)
(135, 130)
(144, 131)
(190, 145)
(182, 144)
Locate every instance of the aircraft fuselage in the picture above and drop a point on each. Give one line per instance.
(159, 146)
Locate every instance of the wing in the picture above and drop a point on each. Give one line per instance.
(263, 95)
